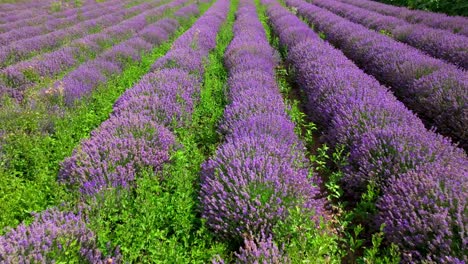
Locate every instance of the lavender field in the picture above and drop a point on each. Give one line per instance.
(232, 131)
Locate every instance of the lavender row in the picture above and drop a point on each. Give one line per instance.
(26, 13)
(133, 139)
(23, 13)
(260, 172)
(421, 176)
(53, 23)
(435, 90)
(455, 24)
(137, 136)
(435, 42)
(21, 76)
(56, 18)
(9, 7)
(22, 49)
(88, 76)
(53, 234)
(41, 18)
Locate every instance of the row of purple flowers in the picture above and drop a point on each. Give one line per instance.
(457, 24)
(433, 89)
(25, 48)
(421, 178)
(9, 8)
(23, 10)
(37, 14)
(19, 77)
(260, 172)
(435, 42)
(53, 23)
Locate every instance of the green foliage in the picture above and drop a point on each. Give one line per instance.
(385, 32)
(157, 221)
(68, 254)
(56, 6)
(450, 7)
(306, 242)
(320, 158)
(322, 35)
(374, 254)
(79, 3)
(357, 243)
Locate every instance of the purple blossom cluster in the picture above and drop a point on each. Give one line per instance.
(23, 75)
(264, 251)
(435, 90)
(121, 147)
(456, 24)
(189, 50)
(437, 195)
(420, 175)
(255, 251)
(62, 18)
(6, 8)
(24, 48)
(137, 137)
(435, 42)
(187, 11)
(260, 171)
(53, 234)
(52, 23)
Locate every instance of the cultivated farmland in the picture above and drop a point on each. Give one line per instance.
(232, 131)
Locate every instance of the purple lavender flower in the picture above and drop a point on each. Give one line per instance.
(187, 11)
(166, 97)
(251, 183)
(263, 251)
(122, 147)
(52, 234)
(400, 66)
(424, 211)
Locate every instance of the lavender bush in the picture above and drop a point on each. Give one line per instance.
(89, 75)
(53, 236)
